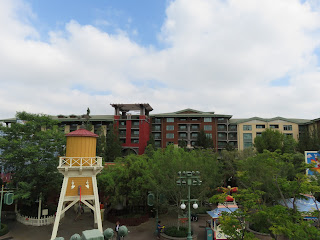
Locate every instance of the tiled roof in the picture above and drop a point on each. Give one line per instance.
(81, 133)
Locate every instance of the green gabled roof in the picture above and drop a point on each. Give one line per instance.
(68, 119)
(292, 120)
(80, 118)
(189, 112)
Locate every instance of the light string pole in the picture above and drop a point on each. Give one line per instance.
(189, 178)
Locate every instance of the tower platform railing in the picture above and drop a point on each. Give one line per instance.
(76, 162)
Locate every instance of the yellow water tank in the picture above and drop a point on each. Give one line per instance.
(81, 144)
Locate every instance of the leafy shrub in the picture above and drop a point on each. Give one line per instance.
(4, 229)
(174, 232)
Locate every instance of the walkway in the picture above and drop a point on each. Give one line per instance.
(68, 227)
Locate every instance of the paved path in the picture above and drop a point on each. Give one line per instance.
(68, 227)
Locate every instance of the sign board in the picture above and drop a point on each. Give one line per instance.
(45, 212)
(313, 157)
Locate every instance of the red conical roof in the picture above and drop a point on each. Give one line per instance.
(81, 133)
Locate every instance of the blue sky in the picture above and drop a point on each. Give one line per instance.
(242, 58)
(141, 19)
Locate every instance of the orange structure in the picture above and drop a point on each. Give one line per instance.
(79, 167)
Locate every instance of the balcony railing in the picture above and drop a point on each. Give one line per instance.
(66, 162)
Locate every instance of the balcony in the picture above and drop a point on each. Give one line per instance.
(80, 162)
(156, 121)
(156, 129)
(157, 137)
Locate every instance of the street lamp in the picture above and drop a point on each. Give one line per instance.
(189, 178)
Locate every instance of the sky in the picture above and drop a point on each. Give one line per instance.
(244, 58)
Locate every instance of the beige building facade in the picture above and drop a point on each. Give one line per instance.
(249, 129)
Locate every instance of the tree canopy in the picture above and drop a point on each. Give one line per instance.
(30, 150)
(273, 140)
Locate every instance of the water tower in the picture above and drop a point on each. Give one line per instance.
(79, 168)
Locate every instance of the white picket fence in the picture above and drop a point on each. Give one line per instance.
(34, 221)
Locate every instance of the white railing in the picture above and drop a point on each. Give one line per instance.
(34, 221)
(80, 162)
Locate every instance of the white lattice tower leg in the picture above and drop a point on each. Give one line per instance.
(59, 209)
(96, 203)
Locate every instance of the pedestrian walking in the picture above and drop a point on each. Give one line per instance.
(117, 229)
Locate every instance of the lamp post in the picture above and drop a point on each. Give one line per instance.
(189, 178)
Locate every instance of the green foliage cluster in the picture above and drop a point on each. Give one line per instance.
(203, 141)
(132, 177)
(267, 179)
(30, 150)
(175, 232)
(113, 144)
(4, 229)
(273, 140)
(309, 140)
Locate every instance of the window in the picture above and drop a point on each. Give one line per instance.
(194, 127)
(170, 135)
(259, 134)
(247, 140)
(73, 127)
(134, 140)
(135, 133)
(194, 135)
(260, 126)
(193, 143)
(157, 120)
(157, 135)
(122, 123)
(194, 119)
(183, 119)
(222, 127)
(220, 119)
(209, 135)
(222, 136)
(287, 127)
(247, 127)
(207, 127)
(233, 128)
(122, 132)
(288, 134)
(170, 119)
(156, 128)
(274, 126)
(207, 119)
(182, 135)
(170, 127)
(135, 123)
(157, 144)
(183, 127)
(169, 143)
(232, 136)
(247, 145)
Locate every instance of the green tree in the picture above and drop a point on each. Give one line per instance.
(309, 141)
(113, 148)
(270, 140)
(101, 143)
(127, 181)
(30, 150)
(203, 141)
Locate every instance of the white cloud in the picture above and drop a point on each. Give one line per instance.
(220, 56)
